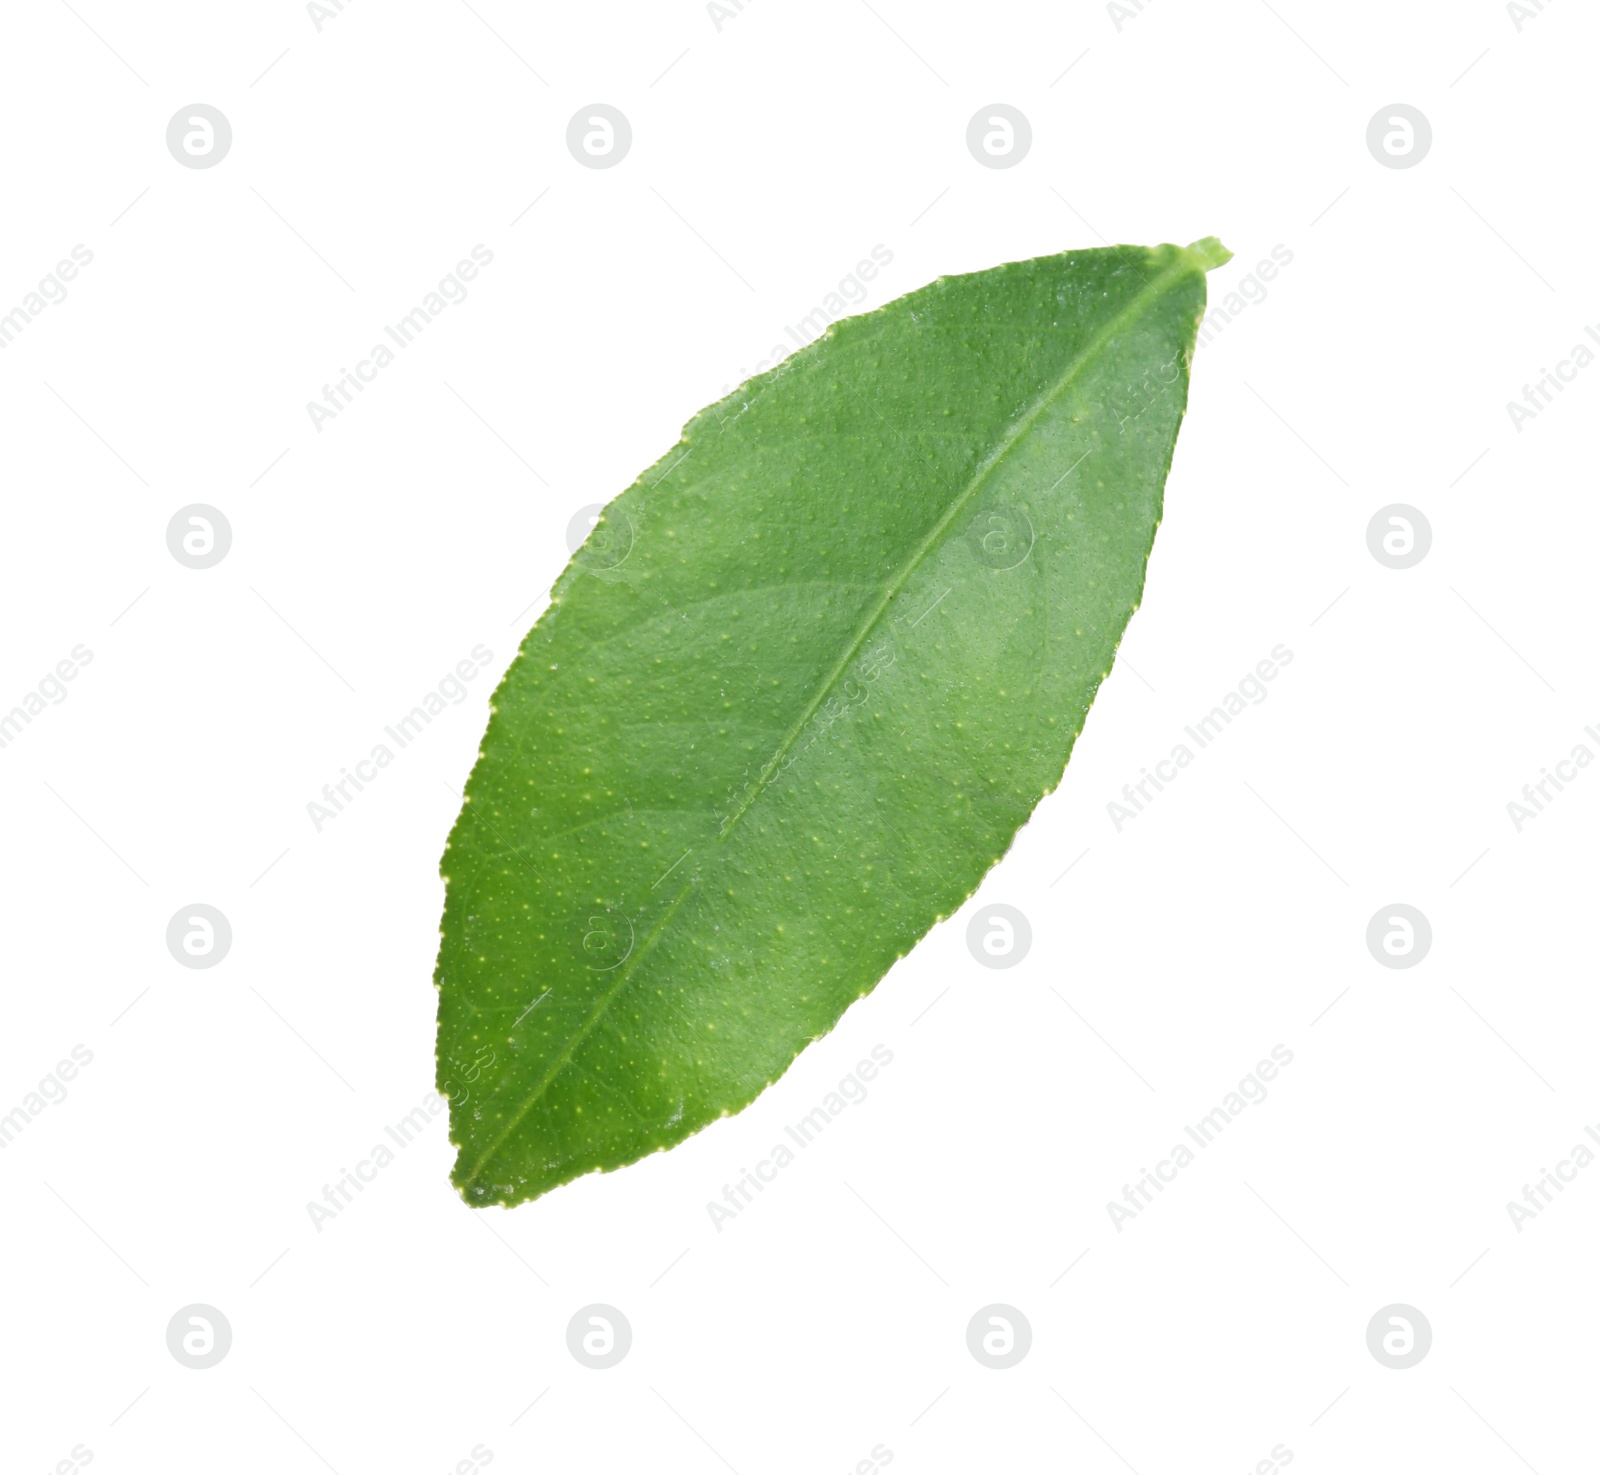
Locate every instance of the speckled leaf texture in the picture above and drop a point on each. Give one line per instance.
(793, 698)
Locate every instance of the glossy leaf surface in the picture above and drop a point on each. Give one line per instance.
(794, 697)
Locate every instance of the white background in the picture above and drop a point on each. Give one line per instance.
(830, 1317)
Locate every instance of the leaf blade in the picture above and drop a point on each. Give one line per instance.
(803, 594)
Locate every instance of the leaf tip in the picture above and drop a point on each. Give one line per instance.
(1210, 253)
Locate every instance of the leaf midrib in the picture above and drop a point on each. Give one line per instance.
(1152, 290)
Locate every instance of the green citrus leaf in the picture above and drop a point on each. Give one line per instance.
(794, 697)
